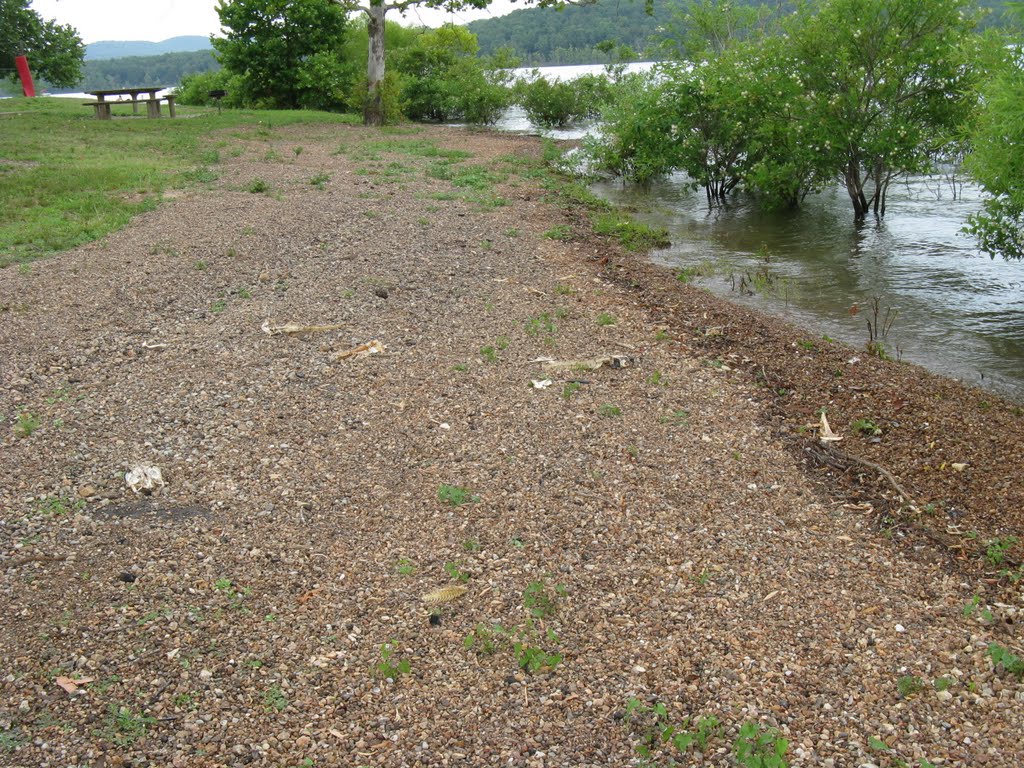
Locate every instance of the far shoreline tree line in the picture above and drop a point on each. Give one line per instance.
(772, 100)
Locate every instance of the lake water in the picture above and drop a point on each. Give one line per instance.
(958, 312)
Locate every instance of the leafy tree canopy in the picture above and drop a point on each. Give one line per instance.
(54, 51)
(863, 91)
(287, 53)
(997, 159)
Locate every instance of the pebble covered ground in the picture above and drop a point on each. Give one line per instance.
(652, 539)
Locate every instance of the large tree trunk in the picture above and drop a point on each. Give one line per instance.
(373, 111)
(855, 188)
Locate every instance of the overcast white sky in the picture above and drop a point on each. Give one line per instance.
(158, 20)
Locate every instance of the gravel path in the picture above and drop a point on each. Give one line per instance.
(649, 529)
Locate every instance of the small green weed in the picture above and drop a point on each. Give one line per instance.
(943, 683)
(26, 424)
(997, 549)
(274, 699)
(570, 389)
(460, 367)
(561, 232)
(1002, 657)
(657, 730)
(534, 659)
(124, 727)
(609, 411)
(657, 379)
(471, 545)
(909, 685)
(58, 506)
(11, 740)
(489, 354)
(257, 186)
(218, 306)
(678, 418)
(455, 573)
(456, 496)
(200, 265)
(485, 640)
(320, 180)
(866, 427)
(605, 319)
(405, 567)
(975, 606)
(757, 748)
(540, 600)
(391, 666)
(544, 323)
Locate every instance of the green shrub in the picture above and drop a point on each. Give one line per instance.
(444, 80)
(195, 89)
(637, 123)
(557, 104)
(392, 99)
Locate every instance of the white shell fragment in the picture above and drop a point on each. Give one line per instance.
(144, 478)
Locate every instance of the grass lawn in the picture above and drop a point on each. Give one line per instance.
(67, 178)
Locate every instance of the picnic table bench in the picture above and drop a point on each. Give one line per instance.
(101, 105)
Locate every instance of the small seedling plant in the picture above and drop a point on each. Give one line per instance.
(757, 748)
(540, 325)
(530, 655)
(455, 573)
(877, 745)
(274, 699)
(26, 424)
(540, 600)
(909, 685)
(1010, 663)
(997, 549)
(658, 734)
(455, 495)
(391, 666)
(486, 640)
(124, 727)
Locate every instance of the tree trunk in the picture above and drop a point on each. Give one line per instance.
(855, 188)
(373, 110)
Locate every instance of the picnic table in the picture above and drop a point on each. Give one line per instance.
(102, 106)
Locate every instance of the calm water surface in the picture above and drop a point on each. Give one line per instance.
(959, 312)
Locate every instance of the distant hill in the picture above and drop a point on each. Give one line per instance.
(568, 35)
(116, 49)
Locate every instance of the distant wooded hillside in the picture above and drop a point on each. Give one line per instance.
(568, 36)
(166, 69)
(115, 49)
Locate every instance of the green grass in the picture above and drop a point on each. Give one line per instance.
(67, 179)
(633, 235)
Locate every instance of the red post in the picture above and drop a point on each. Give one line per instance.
(26, 76)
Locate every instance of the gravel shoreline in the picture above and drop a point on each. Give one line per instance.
(658, 524)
